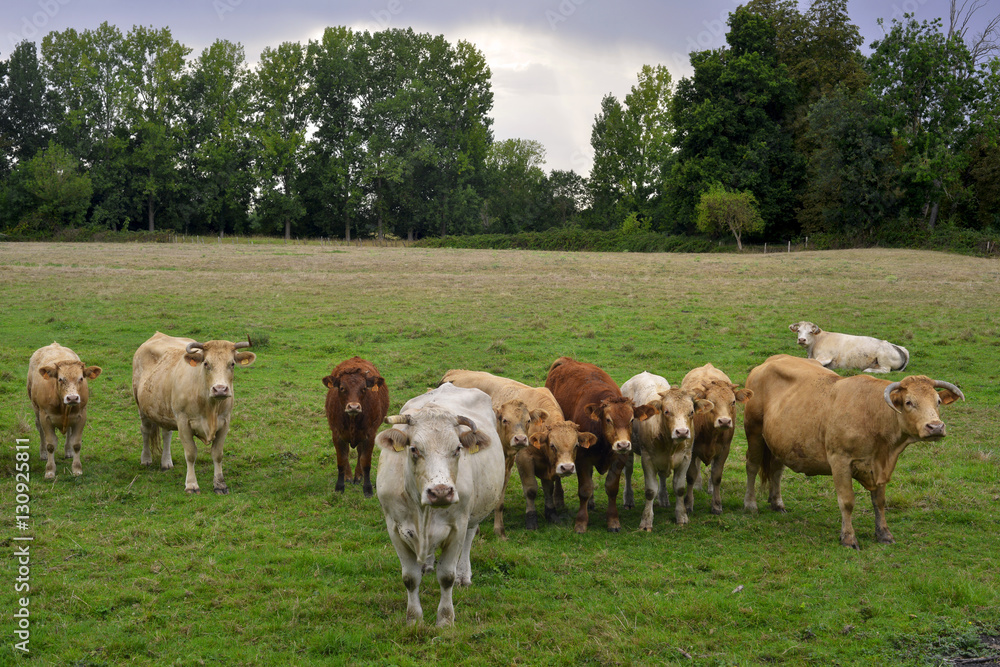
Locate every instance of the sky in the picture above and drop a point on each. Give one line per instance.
(552, 61)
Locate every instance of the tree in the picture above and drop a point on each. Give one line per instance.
(516, 186)
(48, 192)
(24, 106)
(720, 209)
(570, 196)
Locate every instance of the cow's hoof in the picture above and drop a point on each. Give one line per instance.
(164, 468)
(192, 491)
(614, 529)
(223, 491)
(628, 506)
(646, 529)
(368, 492)
(50, 475)
(531, 521)
(77, 473)
(716, 511)
(339, 487)
(580, 528)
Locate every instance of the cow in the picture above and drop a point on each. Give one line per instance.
(440, 474)
(182, 385)
(810, 419)
(663, 441)
(713, 430)
(837, 350)
(589, 397)
(554, 441)
(357, 401)
(58, 390)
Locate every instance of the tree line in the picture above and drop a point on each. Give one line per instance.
(788, 130)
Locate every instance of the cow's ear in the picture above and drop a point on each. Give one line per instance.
(743, 395)
(538, 415)
(948, 396)
(379, 384)
(593, 410)
(48, 372)
(586, 440)
(815, 329)
(91, 372)
(194, 358)
(793, 327)
(473, 442)
(702, 406)
(644, 412)
(538, 439)
(393, 439)
(329, 382)
(245, 358)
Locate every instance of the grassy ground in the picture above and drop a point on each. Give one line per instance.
(127, 569)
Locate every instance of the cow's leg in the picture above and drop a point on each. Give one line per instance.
(166, 458)
(529, 485)
(47, 434)
(718, 464)
(43, 453)
(882, 533)
(412, 570)
(550, 487)
(844, 485)
(774, 493)
(447, 574)
(651, 485)
(343, 462)
(558, 499)
(755, 458)
(628, 500)
(190, 454)
(611, 482)
(365, 467)
(585, 490)
(146, 458)
(663, 498)
(681, 465)
(74, 441)
(218, 483)
(463, 572)
(691, 476)
(498, 512)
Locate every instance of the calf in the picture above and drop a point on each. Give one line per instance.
(713, 430)
(837, 350)
(589, 397)
(182, 385)
(664, 440)
(440, 474)
(810, 419)
(58, 390)
(357, 401)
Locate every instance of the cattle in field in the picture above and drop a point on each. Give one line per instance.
(440, 474)
(662, 441)
(554, 442)
(357, 401)
(810, 419)
(58, 390)
(182, 385)
(589, 397)
(713, 430)
(837, 350)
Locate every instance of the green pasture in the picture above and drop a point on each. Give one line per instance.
(126, 569)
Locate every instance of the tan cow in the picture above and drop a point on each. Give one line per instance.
(816, 422)
(713, 430)
(182, 385)
(57, 387)
(543, 412)
(837, 350)
(663, 441)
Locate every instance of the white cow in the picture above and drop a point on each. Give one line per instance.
(837, 350)
(663, 441)
(440, 474)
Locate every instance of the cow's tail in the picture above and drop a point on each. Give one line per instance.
(906, 356)
(766, 459)
(155, 443)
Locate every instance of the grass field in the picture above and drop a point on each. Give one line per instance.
(125, 568)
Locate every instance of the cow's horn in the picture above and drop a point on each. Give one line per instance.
(194, 345)
(465, 421)
(950, 387)
(240, 346)
(397, 419)
(888, 390)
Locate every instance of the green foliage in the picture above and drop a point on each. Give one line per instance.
(49, 192)
(720, 210)
(575, 239)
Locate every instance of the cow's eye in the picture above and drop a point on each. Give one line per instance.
(232, 364)
(414, 452)
(458, 450)
(63, 380)
(208, 366)
(343, 390)
(909, 403)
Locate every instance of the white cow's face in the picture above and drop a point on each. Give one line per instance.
(217, 359)
(433, 441)
(678, 407)
(806, 332)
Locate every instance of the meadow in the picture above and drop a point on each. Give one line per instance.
(126, 569)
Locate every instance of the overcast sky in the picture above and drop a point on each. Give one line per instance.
(552, 60)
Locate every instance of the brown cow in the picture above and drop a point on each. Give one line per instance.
(552, 456)
(515, 419)
(816, 422)
(182, 385)
(357, 401)
(589, 397)
(57, 387)
(713, 430)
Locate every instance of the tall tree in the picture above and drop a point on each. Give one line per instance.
(516, 186)
(24, 106)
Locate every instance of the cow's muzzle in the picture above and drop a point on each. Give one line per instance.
(935, 429)
(564, 469)
(440, 495)
(71, 399)
(220, 391)
(519, 442)
(724, 422)
(622, 446)
(682, 433)
(353, 408)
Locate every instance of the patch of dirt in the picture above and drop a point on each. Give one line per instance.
(991, 654)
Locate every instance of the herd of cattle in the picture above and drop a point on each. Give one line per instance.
(448, 456)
